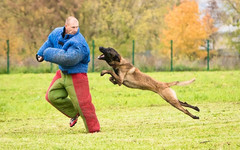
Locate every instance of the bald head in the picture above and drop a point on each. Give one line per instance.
(71, 20)
(71, 25)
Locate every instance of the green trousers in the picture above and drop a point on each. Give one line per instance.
(69, 93)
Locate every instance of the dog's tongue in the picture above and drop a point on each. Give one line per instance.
(101, 56)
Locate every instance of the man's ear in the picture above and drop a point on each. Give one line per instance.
(66, 27)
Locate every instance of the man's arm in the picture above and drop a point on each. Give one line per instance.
(39, 55)
(39, 58)
(71, 57)
(43, 47)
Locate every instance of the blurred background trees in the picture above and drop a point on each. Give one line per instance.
(188, 31)
(115, 23)
(233, 7)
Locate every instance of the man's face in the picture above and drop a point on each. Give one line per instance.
(71, 27)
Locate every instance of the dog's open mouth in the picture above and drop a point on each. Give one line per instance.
(101, 57)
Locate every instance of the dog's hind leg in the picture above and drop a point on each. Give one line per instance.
(188, 105)
(170, 96)
(177, 105)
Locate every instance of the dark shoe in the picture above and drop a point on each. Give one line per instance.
(73, 121)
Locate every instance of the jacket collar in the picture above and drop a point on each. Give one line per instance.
(68, 36)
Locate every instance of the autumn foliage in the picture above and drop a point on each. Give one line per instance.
(114, 23)
(187, 29)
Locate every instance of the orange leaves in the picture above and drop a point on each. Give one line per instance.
(186, 28)
(208, 24)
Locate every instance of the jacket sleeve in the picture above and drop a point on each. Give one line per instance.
(72, 56)
(44, 46)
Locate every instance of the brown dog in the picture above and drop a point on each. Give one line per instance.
(125, 73)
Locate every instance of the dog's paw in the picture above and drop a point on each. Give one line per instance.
(103, 72)
(195, 117)
(196, 108)
(113, 80)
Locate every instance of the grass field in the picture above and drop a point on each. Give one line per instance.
(129, 118)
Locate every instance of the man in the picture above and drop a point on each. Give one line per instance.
(67, 47)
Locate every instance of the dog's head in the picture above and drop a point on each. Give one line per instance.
(110, 55)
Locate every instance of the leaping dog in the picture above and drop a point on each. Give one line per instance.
(125, 73)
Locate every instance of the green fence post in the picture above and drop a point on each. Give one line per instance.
(133, 47)
(8, 64)
(171, 55)
(207, 55)
(93, 45)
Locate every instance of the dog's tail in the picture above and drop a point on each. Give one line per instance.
(180, 83)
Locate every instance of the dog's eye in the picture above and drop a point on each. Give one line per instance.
(116, 58)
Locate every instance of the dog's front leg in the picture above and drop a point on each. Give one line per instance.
(117, 80)
(105, 72)
(112, 79)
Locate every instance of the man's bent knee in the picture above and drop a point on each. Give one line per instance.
(51, 97)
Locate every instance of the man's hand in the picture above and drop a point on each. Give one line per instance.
(39, 58)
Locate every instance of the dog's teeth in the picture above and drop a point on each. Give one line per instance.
(101, 56)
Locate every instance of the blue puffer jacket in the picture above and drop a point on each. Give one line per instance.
(70, 52)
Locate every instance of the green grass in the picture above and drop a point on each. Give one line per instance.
(129, 118)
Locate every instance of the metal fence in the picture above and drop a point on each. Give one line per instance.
(133, 55)
(131, 58)
(7, 54)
